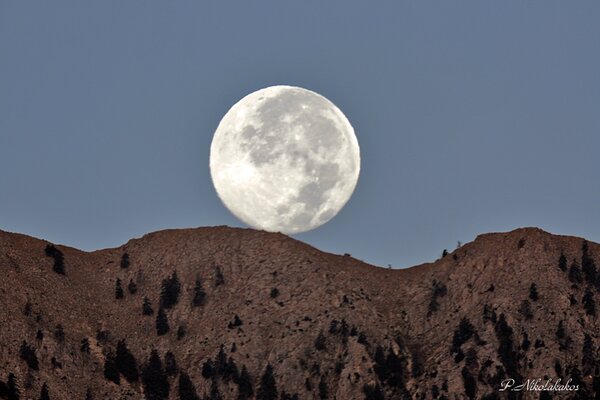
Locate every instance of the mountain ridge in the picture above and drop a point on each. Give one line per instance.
(330, 326)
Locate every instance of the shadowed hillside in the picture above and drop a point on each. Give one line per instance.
(223, 313)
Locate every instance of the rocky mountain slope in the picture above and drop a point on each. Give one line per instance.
(223, 313)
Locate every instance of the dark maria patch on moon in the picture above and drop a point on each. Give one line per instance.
(272, 139)
(313, 194)
(259, 145)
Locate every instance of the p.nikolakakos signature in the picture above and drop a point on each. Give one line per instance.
(538, 385)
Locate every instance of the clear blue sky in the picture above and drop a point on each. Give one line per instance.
(472, 116)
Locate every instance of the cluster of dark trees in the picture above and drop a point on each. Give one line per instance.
(525, 310)
(584, 272)
(343, 330)
(589, 304)
(187, 390)
(506, 349)
(340, 328)
(125, 260)
(154, 375)
(123, 363)
(391, 370)
(147, 307)
(132, 286)
(268, 387)
(199, 294)
(58, 257)
(27, 354)
(587, 273)
(237, 321)
(9, 390)
(373, 392)
(469, 382)
(224, 368)
(438, 289)
(169, 292)
(59, 333)
(154, 378)
(169, 297)
(219, 277)
(44, 394)
(321, 342)
(463, 332)
(170, 287)
(162, 322)
(506, 354)
(533, 293)
(563, 339)
(120, 293)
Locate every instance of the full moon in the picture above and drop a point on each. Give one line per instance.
(284, 159)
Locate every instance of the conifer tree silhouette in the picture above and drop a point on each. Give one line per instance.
(162, 323)
(268, 388)
(154, 379)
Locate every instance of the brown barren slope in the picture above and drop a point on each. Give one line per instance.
(330, 326)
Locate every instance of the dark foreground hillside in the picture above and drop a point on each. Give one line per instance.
(222, 313)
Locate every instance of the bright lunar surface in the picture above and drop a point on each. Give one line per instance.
(284, 159)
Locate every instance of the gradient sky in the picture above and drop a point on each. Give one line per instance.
(472, 117)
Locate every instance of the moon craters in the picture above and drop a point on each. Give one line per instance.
(284, 159)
